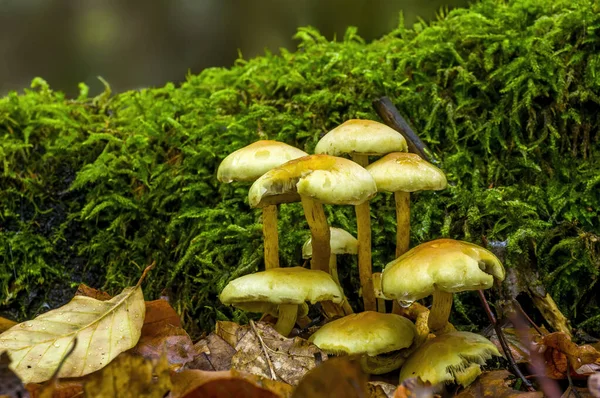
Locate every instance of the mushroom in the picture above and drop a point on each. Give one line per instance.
(451, 357)
(340, 242)
(403, 173)
(382, 340)
(440, 267)
(359, 139)
(249, 163)
(288, 288)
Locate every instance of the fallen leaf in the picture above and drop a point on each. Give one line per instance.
(213, 354)
(560, 354)
(85, 290)
(581, 393)
(161, 332)
(104, 330)
(198, 383)
(380, 389)
(517, 346)
(594, 385)
(495, 384)
(228, 331)
(6, 324)
(10, 384)
(414, 388)
(130, 376)
(261, 350)
(62, 389)
(337, 377)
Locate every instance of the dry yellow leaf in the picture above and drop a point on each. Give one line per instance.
(130, 376)
(6, 324)
(104, 329)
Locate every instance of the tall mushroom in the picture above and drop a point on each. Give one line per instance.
(340, 242)
(403, 173)
(440, 268)
(249, 163)
(360, 139)
(288, 288)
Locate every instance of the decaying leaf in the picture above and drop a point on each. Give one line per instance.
(380, 389)
(130, 376)
(161, 332)
(594, 385)
(85, 290)
(198, 383)
(337, 377)
(62, 389)
(212, 354)
(261, 350)
(6, 324)
(495, 384)
(104, 330)
(413, 388)
(560, 353)
(10, 384)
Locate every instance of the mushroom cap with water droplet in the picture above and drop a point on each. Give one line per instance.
(360, 136)
(341, 242)
(327, 179)
(252, 161)
(406, 172)
(445, 264)
(369, 332)
(293, 285)
(454, 356)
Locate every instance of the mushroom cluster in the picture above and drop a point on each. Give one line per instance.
(428, 348)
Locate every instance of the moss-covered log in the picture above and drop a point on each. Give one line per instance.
(505, 93)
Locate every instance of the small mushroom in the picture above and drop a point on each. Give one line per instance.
(440, 268)
(288, 288)
(249, 163)
(451, 357)
(403, 173)
(361, 139)
(382, 340)
(341, 242)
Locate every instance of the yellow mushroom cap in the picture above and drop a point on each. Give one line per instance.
(454, 356)
(293, 285)
(368, 332)
(445, 264)
(341, 242)
(254, 160)
(365, 137)
(406, 172)
(328, 179)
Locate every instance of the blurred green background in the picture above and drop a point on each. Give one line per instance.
(143, 43)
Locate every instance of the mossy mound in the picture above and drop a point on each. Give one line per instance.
(505, 93)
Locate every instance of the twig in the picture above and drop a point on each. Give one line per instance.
(517, 305)
(264, 348)
(503, 343)
(391, 116)
(571, 385)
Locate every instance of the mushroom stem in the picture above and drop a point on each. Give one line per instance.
(380, 364)
(319, 230)
(440, 311)
(363, 231)
(403, 222)
(334, 275)
(271, 239)
(286, 319)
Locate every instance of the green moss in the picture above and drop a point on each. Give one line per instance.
(504, 93)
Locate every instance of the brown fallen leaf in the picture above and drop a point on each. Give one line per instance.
(161, 332)
(130, 376)
(212, 354)
(261, 350)
(228, 331)
(337, 377)
(495, 384)
(6, 324)
(10, 384)
(198, 383)
(414, 388)
(380, 389)
(85, 290)
(62, 389)
(561, 355)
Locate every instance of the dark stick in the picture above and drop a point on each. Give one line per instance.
(391, 116)
(503, 343)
